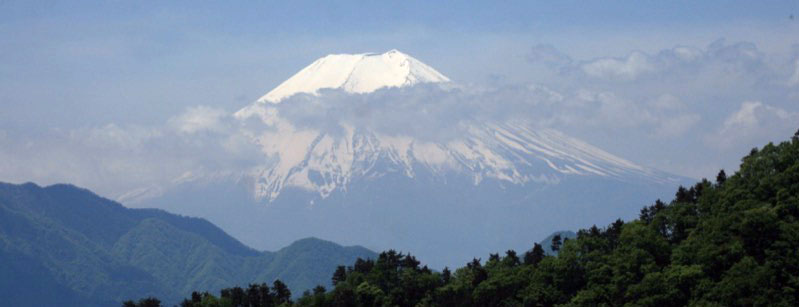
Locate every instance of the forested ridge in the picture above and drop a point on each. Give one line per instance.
(730, 242)
(65, 246)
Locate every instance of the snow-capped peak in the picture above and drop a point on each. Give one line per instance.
(356, 73)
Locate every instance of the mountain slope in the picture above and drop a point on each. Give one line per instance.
(400, 164)
(83, 250)
(511, 153)
(323, 159)
(307, 261)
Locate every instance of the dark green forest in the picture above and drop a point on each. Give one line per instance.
(730, 242)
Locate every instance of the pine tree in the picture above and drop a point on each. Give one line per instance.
(340, 274)
(534, 256)
(510, 258)
(363, 266)
(556, 243)
(267, 299)
(149, 302)
(282, 292)
(254, 296)
(410, 262)
(446, 275)
(237, 296)
(721, 177)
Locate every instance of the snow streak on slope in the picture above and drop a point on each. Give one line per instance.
(320, 162)
(356, 73)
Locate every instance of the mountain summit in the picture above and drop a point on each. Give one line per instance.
(356, 73)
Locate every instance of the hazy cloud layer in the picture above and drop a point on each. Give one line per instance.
(672, 106)
(440, 113)
(199, 119)
(687, 109)
(116, 159)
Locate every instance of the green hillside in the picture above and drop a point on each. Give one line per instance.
(65, 246)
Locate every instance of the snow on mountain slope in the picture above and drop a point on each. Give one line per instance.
(322, 162)
(356, 73)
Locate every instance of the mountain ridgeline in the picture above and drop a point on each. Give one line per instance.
(732, 242)
(65, 246)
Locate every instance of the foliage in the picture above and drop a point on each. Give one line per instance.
(145, 302)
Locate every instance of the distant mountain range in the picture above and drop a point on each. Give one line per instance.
(65, 246)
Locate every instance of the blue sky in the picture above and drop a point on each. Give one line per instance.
(68, 69)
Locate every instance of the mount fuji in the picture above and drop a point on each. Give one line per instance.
(356, 73)
(403, 174)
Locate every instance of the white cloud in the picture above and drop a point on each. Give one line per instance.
(635, 64)
(611, 110)
(672, 116)
(199, 119)
(665, 116)
(755, 121)
(745, 117)
(687, 53)
(732, 67)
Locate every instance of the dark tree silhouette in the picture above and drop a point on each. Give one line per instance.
(556, 243)
(282, 292)
(510, 258)
(145, 302)
(721, 177)
(535, 255)
(340, 274)
(237, 296)
(446, 275)
(363, 266)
